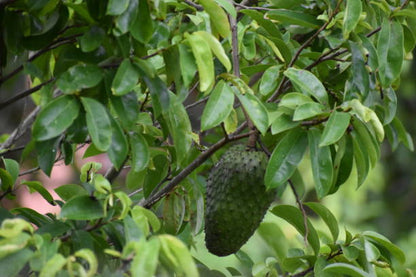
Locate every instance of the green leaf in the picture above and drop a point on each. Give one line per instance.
(177, 256)
(283, 123)
(293, 100)
(12, 264)
(180, 128)
(117, 7)
(204, 62)
(92, 39)
(46, 151)
(273, 235)
(82, 207)
(321, 162)
(308, 110)
(125, 21)
(127, 109)
(269, 80)
(361, 77)
(268, 25)
(347, 269)
(32, 216)
(142, 28)
(125, 203)
(53, 265)
(390, 51)
(188, 64)
(361, 159)
(255, 110)
(218, 107)
(308, 84)
(12, 167)
(125, 79)
(218, 17)
(37, 186)
(345, 165)
(368, 141)
(383, 241)
(173, 213)
(139, 152)
(335, 128)
(6, 180)
(351, 17)
(146, 259)
(98, 123)
(55, 118)
(216, 48)
(294, 18)
(88, 255)
(150, 217)
(295, 217)
(285, 158)
(69, 191)
(327, 217)
(119, 147)
(79, 77)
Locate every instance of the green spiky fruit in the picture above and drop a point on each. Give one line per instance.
(236, 200)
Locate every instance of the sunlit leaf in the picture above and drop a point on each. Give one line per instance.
(335, 128)
(79, 77)
(351, 16)
(125, 79)
(82, 207)
(327, 217)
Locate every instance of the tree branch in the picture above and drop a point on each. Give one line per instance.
(302, 208)
(153, 198)
(24, 94)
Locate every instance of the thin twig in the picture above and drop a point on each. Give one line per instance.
(305, 216)
(153, 198)
(194, 5)
(24, 94)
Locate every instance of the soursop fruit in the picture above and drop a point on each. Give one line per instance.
(236, 199)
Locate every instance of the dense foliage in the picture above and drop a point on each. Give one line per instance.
(164, 88)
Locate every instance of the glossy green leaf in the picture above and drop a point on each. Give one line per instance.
(98, 123)
(351, 16)
(46, 151)
(372, 148)
(119, 147)
(188, 66)
(216, 48)
(268, 25)
(117, 7)
(79, 77)
(181, 129)
(203, 56)
(402, 135)
(335, 128)
(92, 39)
(218, 107)
(82, 207)
(361, 77)
(127, 109)
(142, 28)
(327, 217)
(55, 118)
(139, 152)
(385, 242)
(285, 158)
(269, 80)
(293, 100)
(308, 84)
(69, 191)
(176, 254)
(321, 162)
(345, 269)
(174, 208)
(282, 123)
(38, 187)
(12, 167)
(295, 217)
(53, 265)
(255, 110)
(294, 18)
(125, 20)
(218, 17)
(361, 159)
(125, 79)
(390, 51)
(32, 216)
(101, 184)
(343, 171)
(146, 259)
(248, 49)
(308, 110)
